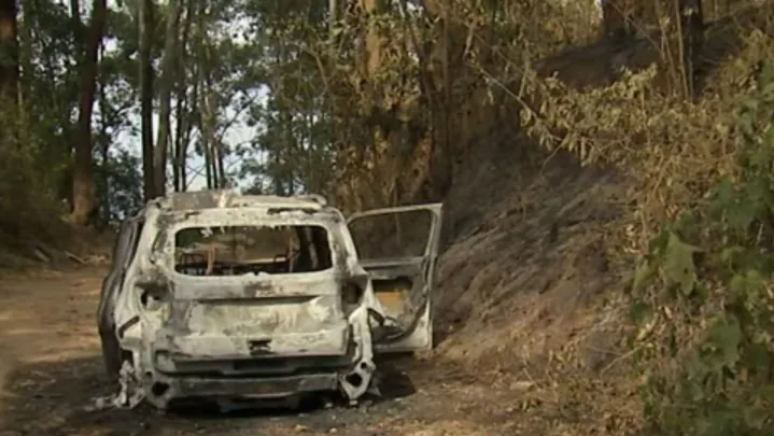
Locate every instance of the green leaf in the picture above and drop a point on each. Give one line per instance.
(641, 275)
(745, 123)
(766, 74)
(679, 267)
(686, 223)
(729, 254)
(759, 358)
(750, 104)
(640, 312)
(701, 293)
(742, 215)
(768, 89)
(726, 335)
(658, 243)
(738, 283)
(723, 422)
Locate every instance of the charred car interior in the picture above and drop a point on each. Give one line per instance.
(238, 250)
(246, 299)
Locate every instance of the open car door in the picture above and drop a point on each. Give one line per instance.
(398, 247)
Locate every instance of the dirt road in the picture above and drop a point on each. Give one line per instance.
(49, 358)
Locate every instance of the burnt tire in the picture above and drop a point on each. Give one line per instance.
(112, 355)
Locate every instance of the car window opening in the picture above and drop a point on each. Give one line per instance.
(239, 250)
(392, 235)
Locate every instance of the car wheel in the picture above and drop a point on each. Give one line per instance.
(111, 355)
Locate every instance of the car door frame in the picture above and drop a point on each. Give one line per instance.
(429, 272)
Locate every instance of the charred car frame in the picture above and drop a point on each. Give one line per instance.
(197, 305)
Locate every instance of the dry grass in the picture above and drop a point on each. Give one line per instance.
(522, 310)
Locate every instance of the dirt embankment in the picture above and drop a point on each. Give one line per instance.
(61, 246)
(525, 278)
(525, 254)
(525, 264)
(526, 231)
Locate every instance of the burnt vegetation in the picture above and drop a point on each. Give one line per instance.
(606, 171)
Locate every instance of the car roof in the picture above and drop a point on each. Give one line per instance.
(223, 199)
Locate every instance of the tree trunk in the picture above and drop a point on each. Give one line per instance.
(333, 16)
(617, 18)
(369, 60)
(208, 165)
(692, 23)
(287, 149)
(187, 137)
(220, 152)
(278, 186)
(104, 146)
(207, 130)
(180, 123)
(166, 83)
(183, 124)
(77, 59)
(372, 58)
(25, 61)
(75, 15)
(445, 158)
(205, 111)
(84, 191)
(9, 55)
(681, 41)
(78, 28)
(146, 25)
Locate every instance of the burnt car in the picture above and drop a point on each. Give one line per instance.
(243, 298)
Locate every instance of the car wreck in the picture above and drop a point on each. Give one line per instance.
(241, 299)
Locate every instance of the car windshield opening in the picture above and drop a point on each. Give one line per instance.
(239, 250)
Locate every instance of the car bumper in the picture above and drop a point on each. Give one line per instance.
(161, 390)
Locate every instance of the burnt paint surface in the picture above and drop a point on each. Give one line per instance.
(191, 320)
